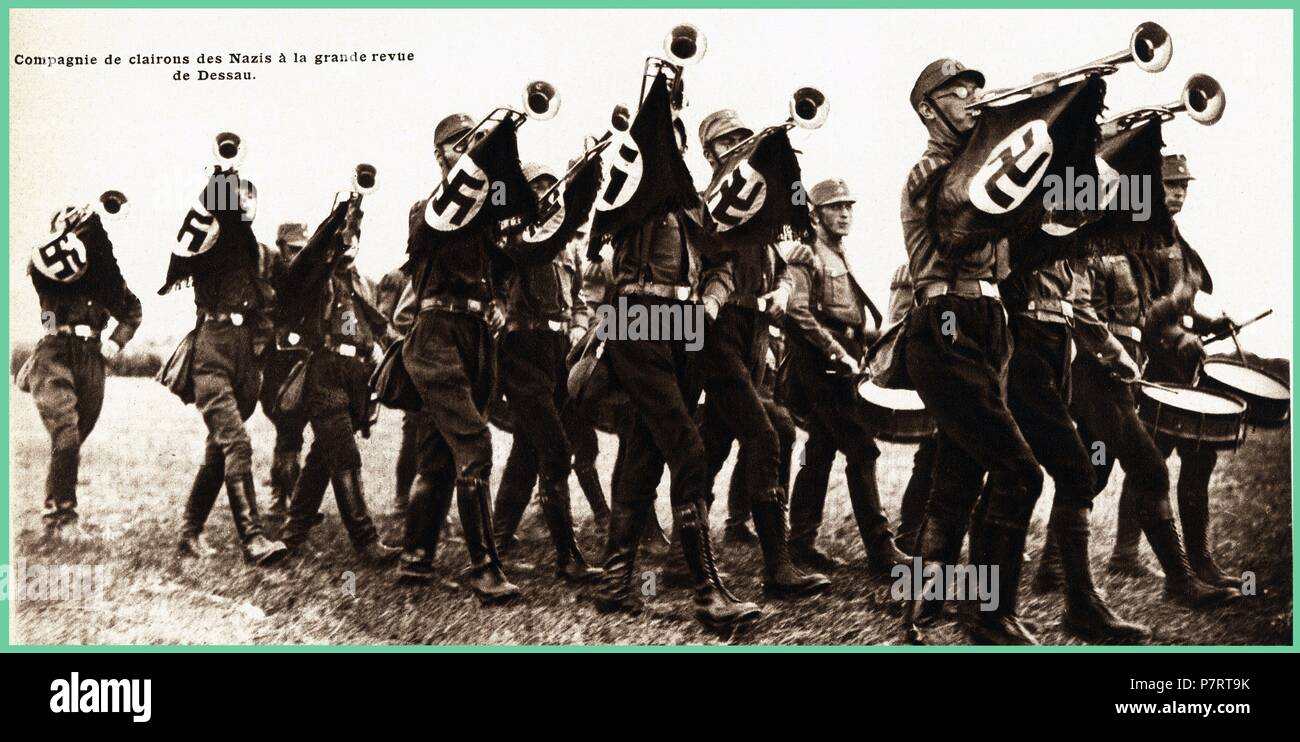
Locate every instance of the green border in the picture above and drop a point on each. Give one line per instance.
(5, 645)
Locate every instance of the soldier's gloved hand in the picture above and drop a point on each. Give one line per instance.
(110, 349)
(1222, 325)
(845, 365)
(711, 308)
(1189, 349)
(1126, 369)
(777, 302)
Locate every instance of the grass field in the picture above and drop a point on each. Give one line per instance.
(138, 465)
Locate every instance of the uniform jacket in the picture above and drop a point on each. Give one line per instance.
(827, 299)
(673, 250)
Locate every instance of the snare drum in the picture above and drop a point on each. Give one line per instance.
(897, 415)
(1267, 396)
(1184, 414)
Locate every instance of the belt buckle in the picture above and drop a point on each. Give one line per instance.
(346, 350)
(293, 338)
(555, 325)
(1067, 309)
(236, 319)
(83, 331)
(989, 290)
(774, 331)
(761, 304)
(474, 305)
(683, 293)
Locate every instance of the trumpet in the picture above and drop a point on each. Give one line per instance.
(684, 45)
(809, 108)
(540, 101)
(112, 205)
(229, 150)
(1202, 100)
(1150, 47)
(364, 179)
(549, 202)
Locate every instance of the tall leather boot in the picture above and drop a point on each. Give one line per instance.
(258, 549)
(873, 524)
(484, 574)
(1194, 509)
(1049, 577)
(349, 494)
(425, 514)
(653, 538)
(407, 456)
(1003, 546)
(589, 483)
(1126, 559)
(203, 495)
(60, 516)
(807, 504)
(1181, 585)
(715, 606)
(304, 504)
(618, 590)
(739, 508)
(780, 577)
(938, 544)
(570, 565)
(1086, 614)
(284, 475)
(508, 512)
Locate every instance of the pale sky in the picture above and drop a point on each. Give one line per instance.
(76, 132)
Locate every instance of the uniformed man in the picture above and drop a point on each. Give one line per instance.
(232, 301)
(541, 309)
(666, 263)
(831, 322)
(1041, 303)
(278, 360)
(1176, 354)
(911, 510)
(79, 287)
(1106, 412)
(326, 303)
(735, 350)
(959, 373)
(395, 300)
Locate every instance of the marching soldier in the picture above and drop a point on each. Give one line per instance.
(1176, 353)
(832, 321)
(541, 310)
(79, 286)
(911, 510)
(1043, 314)
(279, 359)
(666, 263)
(959, 374)
(734, 350)
(232, 300)
(325, 302)
(395, 300)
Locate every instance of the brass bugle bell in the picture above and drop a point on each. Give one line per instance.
(541, 100)
(1202, 100)
(809, 108)
(1150, 47)
(685, 44)
(229, 150)
(112, 205)
(364, 179)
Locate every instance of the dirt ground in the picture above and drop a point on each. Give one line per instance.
(138, 465)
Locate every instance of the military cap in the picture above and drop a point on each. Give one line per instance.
(452, 128)
(831, 191)
(938, 73)
(719, 124)
(291, 233)
(1174, 167)
(534, 170)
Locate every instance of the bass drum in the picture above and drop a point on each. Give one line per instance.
(1267, 395)
(897, 415)
(1178, 413)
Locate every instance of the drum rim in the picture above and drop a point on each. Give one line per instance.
(1286, 383)
(1245, 406)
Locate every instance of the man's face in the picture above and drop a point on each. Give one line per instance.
(951, 99)
(719, 145)
(446, 155)
(1175, 195)
(837, 219)
(541, 184)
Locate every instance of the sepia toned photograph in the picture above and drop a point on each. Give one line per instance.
(629, 327)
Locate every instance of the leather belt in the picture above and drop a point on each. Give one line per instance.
(1125, 331)
(234, 318)
(534, 323)
(85, 332)
(456, 304)
(966, 288)
(756, 303)
(348, 350)
(661, 290)
(1049, 310)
